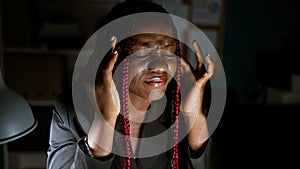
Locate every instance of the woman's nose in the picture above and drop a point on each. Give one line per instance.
(157, 61)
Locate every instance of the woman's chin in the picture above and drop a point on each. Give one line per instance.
(156, 94)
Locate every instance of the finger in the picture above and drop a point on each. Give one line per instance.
(108, 64)
(111, 63)
(210, 65)
(113, 44)
(114, 53)
(208, 74)
(186, 66)
(199, 56)
(110, 56)
(183, 62)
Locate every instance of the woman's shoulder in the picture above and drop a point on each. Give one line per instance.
(64, 105)
(64, 109)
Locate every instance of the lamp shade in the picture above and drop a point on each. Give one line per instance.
(16, 117)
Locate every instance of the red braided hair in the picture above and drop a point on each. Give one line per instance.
(125, 125)
(175, 157)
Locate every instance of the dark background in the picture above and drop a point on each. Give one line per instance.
(260, 51)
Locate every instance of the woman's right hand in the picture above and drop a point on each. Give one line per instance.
(100, 135)
(105, 89)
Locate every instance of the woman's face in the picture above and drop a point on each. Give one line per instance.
(152, 65)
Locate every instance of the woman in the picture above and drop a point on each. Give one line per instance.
(151, 76)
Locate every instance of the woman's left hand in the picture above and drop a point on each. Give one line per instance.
(193, 97)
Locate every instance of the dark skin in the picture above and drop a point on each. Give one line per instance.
(149, 73)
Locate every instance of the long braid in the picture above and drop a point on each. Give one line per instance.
(126, 149)
(175, 157)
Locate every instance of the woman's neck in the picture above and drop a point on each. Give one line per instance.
(137, 111)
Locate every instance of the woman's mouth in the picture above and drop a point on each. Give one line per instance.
(156, 81)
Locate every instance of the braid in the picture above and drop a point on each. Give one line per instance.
(175, 157)
(126, 152)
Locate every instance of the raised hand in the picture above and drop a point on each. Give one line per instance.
(105, 89)
(193, 98)
(100, 136)
(192, 102)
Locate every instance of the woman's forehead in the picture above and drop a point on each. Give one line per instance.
(157, 26)
(153, 37)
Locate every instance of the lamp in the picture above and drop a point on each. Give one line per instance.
(16, 117)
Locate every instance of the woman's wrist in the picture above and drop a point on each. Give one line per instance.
(95, 149)
(88, 149)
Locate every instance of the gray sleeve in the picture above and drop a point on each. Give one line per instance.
(209, 158)
(64, 151)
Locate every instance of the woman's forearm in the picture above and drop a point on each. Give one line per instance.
(198, 132)
(100, 136)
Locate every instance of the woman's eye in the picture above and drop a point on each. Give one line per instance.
(169, 54)
(168, 45)
(169, 50)
(146, 45)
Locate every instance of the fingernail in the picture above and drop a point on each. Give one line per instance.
(112, 38)
(211, 57)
